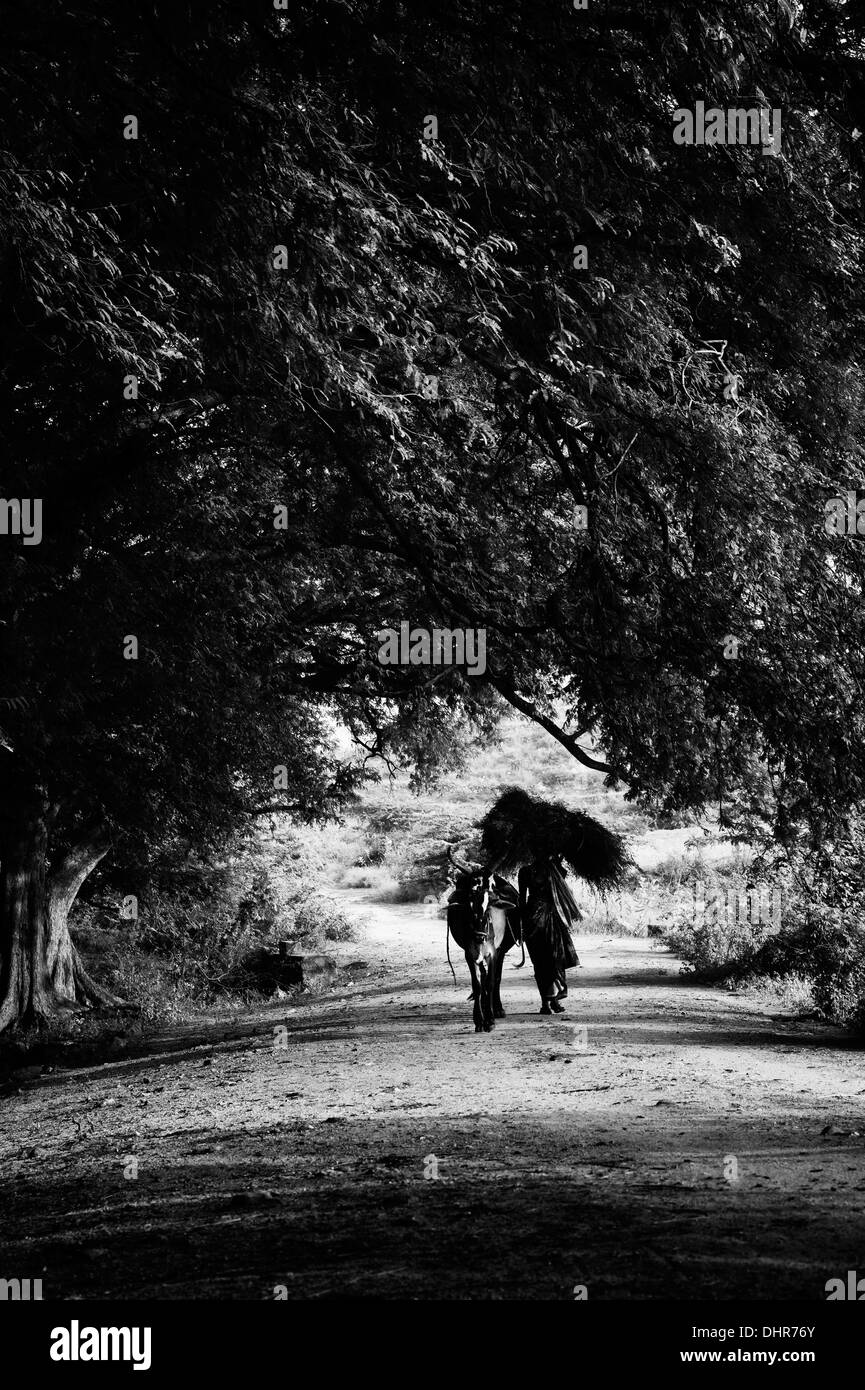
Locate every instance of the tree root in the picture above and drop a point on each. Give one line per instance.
(88, 992)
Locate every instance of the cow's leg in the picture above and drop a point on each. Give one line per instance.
(498, 1007)
(477, 1012)
(487, 997)
(501, 933)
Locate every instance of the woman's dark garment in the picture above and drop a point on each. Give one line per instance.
(549, 914)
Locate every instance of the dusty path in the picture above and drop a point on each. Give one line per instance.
(674, 1148)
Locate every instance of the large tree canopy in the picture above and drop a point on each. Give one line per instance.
(284, 293)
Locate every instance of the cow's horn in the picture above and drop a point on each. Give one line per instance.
(463, 868)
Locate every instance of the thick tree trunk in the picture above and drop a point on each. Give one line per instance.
(24, 989)
(40, 968)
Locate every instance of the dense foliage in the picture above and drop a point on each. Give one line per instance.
(332, 305)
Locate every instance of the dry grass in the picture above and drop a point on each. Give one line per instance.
(794, 994)
(375, 877)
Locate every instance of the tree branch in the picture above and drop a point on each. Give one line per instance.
(66, 879)
(567, 741)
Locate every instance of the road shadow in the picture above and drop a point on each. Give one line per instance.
(337, 1210)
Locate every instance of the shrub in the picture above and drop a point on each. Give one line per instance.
(820, 948)
(340, 929)
(835, 943)
(377, 878)
(319, 918)
(713, 948)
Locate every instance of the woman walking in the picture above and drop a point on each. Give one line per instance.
(539, 837)
(548, 914)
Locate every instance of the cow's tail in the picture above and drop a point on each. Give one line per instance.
(522, 945)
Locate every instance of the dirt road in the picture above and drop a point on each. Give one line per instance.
(657, 1140)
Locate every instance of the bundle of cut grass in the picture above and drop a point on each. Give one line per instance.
(520, 829)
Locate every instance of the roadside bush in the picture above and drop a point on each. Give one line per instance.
(828, 944)
(319, 918)
(714, 943)
(714, 949)
(818, 952)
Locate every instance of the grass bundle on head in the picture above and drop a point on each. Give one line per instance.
(519, 829)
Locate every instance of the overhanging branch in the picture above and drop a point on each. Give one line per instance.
(567, 741)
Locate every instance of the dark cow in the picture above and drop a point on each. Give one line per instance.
(484, 920)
